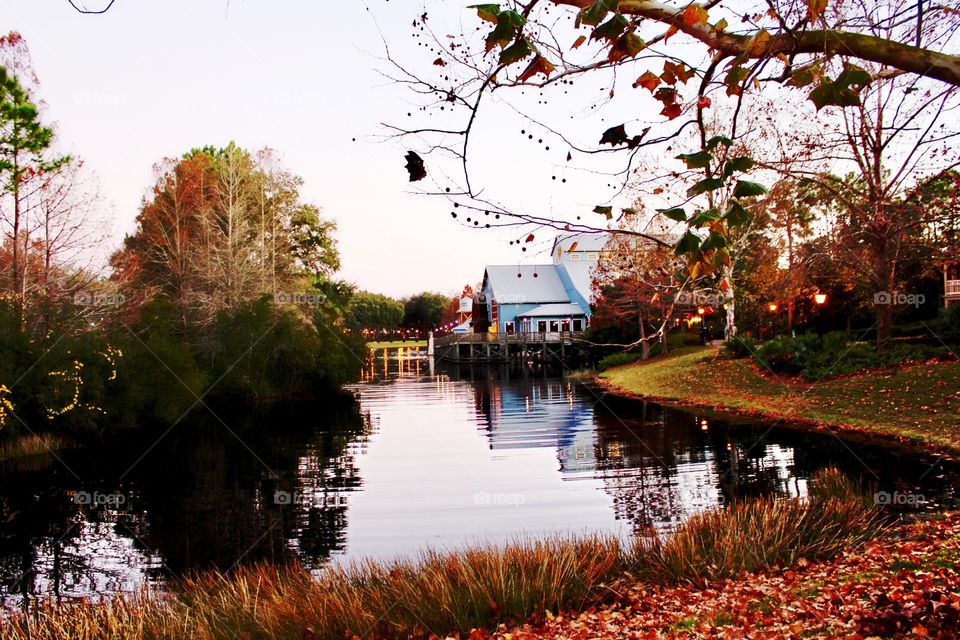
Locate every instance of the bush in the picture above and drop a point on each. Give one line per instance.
(948, 325)
(617, 359)
(815, 358)
(740, 346)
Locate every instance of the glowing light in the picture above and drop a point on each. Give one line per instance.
(773, 306)
(820, 298)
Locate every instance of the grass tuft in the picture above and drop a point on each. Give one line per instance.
(439, 594)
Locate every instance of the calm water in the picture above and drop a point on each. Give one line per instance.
(440, 458)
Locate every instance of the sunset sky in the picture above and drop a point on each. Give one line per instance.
(149, 80)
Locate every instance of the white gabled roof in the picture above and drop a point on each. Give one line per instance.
(525, 284)
(553, 311)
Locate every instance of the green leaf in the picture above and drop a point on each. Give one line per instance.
(605, 211)
(689, 243)
(737, 216)
(595, 13)
(488, 12)
(734, 77)
(842, 92)
(747, 189)
(717, 140)
(707, 184)
(737, 165)
(701, 218)
(698, 160)
(516, 52)
(804, 76)
(508, 22)
(630, 211)
(611, 29)
(627, 46)
(676, 213)
(714, 241)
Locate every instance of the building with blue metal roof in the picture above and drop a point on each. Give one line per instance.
(545, 298)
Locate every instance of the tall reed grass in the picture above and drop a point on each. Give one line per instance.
(442, 593)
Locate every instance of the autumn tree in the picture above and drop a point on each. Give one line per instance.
(219, 229)
(689, 60)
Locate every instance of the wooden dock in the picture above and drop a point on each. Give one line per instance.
(499, 348)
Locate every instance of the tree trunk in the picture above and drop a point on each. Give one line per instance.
(729, 301)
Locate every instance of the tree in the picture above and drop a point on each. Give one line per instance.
(734, 55)
(24, 141)
(221, 228)
(373, 311)
(425, 311)
(789, 216)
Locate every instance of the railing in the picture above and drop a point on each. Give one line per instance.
(953, 288)
(503, 338)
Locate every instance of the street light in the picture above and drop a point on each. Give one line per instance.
(819, 298)
(773, 306)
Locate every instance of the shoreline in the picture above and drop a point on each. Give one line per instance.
(889, 435)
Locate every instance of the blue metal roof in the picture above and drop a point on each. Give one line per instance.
(525, 284)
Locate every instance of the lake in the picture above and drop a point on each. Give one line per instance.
(417, 456)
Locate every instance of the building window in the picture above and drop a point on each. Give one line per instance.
(578, 325)
(554, 326)
(565, 325)
(573, 257)
(593, 256)
(541, 326)
(508, 327)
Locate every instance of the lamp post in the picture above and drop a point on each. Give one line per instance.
(772, 307)
(820, 299)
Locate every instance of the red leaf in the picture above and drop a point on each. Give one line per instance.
(703, 102)
(649, 81)
(439, 62)
(671, 111)
(529, 238)
(579, 41)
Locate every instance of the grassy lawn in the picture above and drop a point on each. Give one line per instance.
(920, 402)
(396, 343)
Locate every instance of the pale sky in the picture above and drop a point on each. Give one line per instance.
(149, 80)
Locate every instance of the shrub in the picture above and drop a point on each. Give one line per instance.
(740, 346)
(617, 359)
(948, 324)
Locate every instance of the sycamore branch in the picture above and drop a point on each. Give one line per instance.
(924, 62)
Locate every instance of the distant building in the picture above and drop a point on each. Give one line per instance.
(544, 298)
(951, 282)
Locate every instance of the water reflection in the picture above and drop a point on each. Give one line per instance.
(426, 455)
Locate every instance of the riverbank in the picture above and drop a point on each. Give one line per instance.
(473, 592)
(917, 404)
(397, 344)
(902, 585)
